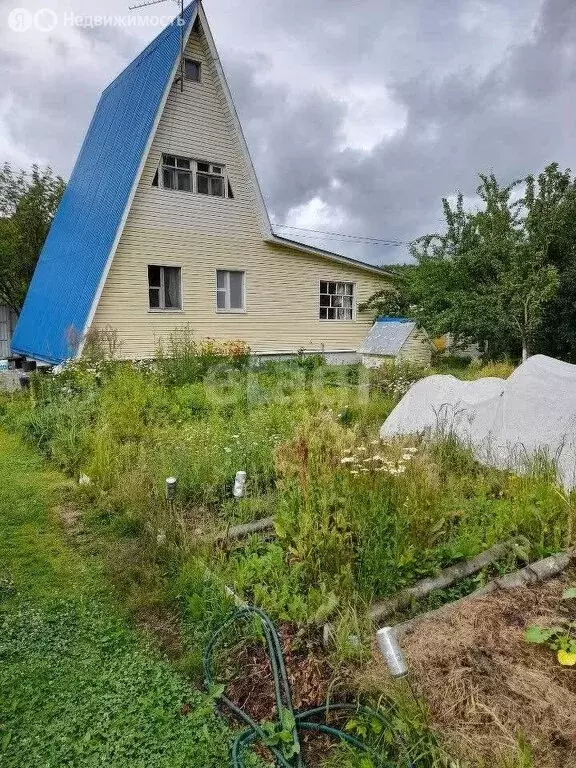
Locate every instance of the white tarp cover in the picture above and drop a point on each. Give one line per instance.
(506, 421)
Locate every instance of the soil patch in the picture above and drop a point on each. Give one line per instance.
(486, 688)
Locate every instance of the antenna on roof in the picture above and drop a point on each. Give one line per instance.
(180, 22)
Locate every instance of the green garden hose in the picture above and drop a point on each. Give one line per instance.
(300, 721)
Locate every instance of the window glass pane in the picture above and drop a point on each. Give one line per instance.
(172, 287)
(184, 182)
(347, 301)
(323, 313)
(349, 288)
(348, 314)
(153, 276)
(169, 160)
(221, 279)
(323, 287)
(191, 70)
(236, 292)
(204, 167)
(337, 301)
(331, 314)
(154, 297)
(221, 299)
(202, 184)
(168, 178)
(324, 301)
(216, 169)
(182, 163)
(331, 287)
(217, 186)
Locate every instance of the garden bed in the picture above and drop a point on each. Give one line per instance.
(355, 519)
(486, 688)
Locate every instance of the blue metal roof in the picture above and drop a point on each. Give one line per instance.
(75, 254)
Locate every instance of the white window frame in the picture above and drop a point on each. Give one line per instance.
(226, 290)
(161, 288)
(210, 174)
(193, 171)
(337, 319)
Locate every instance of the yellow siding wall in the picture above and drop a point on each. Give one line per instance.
(201, 234)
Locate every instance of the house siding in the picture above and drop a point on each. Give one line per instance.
(201, 234)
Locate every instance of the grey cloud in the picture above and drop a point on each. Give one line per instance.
(484, 84)
(512, 118)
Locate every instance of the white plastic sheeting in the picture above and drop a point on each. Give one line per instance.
(507, 422)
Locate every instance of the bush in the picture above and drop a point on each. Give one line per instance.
(187, 361)
(396, 378)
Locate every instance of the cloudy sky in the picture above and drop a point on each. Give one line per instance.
(360, 115)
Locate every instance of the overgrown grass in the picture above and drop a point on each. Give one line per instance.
(78, 687)
(355, 518)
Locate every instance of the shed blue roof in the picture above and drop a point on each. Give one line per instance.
(73, 260)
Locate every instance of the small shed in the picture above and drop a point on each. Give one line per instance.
(395, 339)
(8, 320)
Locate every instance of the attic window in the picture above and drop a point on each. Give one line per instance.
(210, 179)
(187, 175)
(336, 300)
(192, 70)
(176, 173)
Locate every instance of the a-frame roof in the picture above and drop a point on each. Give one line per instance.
(91, 214)
(74, 262)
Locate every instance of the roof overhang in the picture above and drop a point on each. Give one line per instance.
(303, 248)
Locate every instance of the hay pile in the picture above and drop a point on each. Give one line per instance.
(486, 688)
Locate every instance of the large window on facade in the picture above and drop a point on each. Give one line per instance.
(187, 175)
(164, 287)
(230, 290)
(336, 300)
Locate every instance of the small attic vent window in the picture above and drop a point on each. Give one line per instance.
(192, 70)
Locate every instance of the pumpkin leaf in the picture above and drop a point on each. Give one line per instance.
(569, 594)
(539, 634)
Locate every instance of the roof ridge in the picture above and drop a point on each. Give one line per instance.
(150, 48)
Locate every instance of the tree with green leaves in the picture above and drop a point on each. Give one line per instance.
(394, 300)
(491, 277)
(28, 202)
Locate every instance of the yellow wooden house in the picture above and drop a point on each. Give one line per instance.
(163, 226)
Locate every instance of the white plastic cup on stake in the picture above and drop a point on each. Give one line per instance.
(239, 490)
(391, 651)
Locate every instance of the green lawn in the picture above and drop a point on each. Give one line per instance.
(78, 686)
